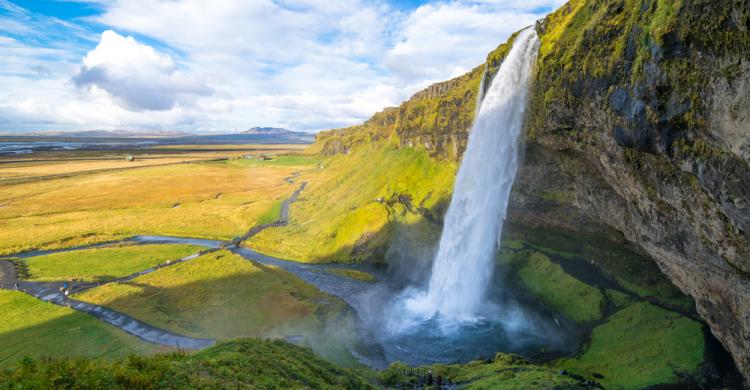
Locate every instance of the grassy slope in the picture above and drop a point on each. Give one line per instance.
(218, 295)
(272, 214)
(210, 200)
(240, 363)
(339, 210)
(32, 328)
(104, 263)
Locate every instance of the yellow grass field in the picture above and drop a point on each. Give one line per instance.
(267, 149)
(70, 163)
(36, 169)
(218, 200)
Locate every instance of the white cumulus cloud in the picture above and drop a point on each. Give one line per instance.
(136, 75)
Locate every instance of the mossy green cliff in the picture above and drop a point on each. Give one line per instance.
(639, 110)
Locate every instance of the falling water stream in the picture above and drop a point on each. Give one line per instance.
(463, 267)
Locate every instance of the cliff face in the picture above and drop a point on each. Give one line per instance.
(639, 120)
(645, 107)
(436, 119)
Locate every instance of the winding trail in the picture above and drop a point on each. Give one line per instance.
(52, 291)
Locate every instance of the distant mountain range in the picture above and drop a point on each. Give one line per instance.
(257, 135)
(268, 130)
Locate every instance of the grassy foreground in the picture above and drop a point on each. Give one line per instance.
(236, 364)
(100, 264)
(32, 328)
(504, 372)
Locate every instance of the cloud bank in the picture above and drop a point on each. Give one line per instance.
(234, 64)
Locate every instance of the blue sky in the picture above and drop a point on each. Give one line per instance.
(208, 65)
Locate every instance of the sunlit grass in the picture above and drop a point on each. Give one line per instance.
(354, 274)
(217, 200)
(100, 264)
(345, 203)
(36, 169)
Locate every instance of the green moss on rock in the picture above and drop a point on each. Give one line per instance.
(537, 275)
(640, 346)
(504, 372)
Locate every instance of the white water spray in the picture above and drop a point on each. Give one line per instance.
(464, 263)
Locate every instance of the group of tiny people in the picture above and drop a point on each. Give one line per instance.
(427, 379)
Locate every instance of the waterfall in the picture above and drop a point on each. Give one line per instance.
(463, 266)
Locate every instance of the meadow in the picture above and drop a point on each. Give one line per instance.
(210, 199)
(222, 295)
(101, 264)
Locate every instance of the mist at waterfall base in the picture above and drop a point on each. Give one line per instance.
(455, 308)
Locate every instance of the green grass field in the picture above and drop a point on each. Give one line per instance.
(218, 295)
(100, 264)
(32, 328)
(221, 295)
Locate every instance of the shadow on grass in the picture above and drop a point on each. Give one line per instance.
(71, 334)
(267, 302)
